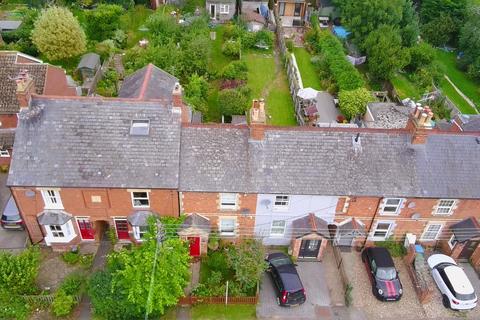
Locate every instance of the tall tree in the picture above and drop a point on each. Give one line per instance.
(409, 26)
(58, 35)
(385, 53)
(363, 17)
(470, 35)
(102, 22)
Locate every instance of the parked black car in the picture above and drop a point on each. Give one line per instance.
(289, 287)
(386, 285)
(11, 218)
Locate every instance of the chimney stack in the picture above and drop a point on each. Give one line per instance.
(419, 122)
(25, 88)
(257, 120)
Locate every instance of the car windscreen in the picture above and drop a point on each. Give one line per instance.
(280, 262)
(13, 217)
(386, 273)
(465, 297)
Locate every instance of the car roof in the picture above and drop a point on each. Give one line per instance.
(11, 208)
(277, 255)
(459, 280)
(436, 259)
(382, 257)
(290, 279)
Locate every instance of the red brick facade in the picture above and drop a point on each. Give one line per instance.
(208, 205)
(101, 206)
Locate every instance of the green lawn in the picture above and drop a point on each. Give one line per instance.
(280, 105)
(261, 72)
(217, 59)
(222, 312)
(307, 69)
(453, 95)
(132, 20)
(405, 88)
(447, 63)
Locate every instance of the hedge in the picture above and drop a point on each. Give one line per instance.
(344, 73)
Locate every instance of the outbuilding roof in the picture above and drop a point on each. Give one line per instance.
(150, 82)
(89, 61)
(86, 142)
(466, 229)
(7, 25)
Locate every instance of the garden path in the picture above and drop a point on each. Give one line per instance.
(278, 69)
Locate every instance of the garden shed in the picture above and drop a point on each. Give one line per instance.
(196, 229)
(89, 65)
(310, 236)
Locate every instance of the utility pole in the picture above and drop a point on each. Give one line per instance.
(160, 238)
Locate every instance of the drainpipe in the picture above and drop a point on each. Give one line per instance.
(371, 223)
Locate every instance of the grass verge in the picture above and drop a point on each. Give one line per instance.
(307, 69)
(222, 312)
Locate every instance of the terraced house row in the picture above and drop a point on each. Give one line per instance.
(84, 164)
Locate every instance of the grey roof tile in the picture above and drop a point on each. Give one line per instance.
(86, 143)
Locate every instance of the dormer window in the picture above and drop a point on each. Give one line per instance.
(140, 128)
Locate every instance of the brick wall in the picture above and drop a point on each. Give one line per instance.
(8, 121)
(208, 205)
(78, 202)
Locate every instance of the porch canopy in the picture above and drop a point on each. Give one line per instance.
(139, 218)
(310, 224)
(466, 229)
(54, 217)
(195, 224)
(348, 230)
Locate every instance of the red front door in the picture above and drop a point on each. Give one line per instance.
(122, 229)
(194, 246)
(86, 229)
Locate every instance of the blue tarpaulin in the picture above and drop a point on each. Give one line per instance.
(341, 32)
(264, 11)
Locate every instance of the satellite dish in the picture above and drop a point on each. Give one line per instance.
(411, 205)
(416, 216)
(266, 202)
(245, 211)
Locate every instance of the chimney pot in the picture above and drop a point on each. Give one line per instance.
(418, 111)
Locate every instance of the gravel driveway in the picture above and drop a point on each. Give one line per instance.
(407, 308)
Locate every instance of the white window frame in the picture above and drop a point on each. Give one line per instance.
(224, 9)
(4, 153)
(387, 233)
(439, 231)
(281, 202)
(68, 233)
(397, 207)
(277, 228)
(452, 242)
(52, 199)
(227, 204)
(450, 208)
(138, 232)
(227, 233)
(140, 198)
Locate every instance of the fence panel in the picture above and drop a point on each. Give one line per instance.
(339, 261)
(217, 300)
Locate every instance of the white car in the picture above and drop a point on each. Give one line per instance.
(457, 290)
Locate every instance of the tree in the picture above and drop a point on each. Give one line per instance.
(58, 35)
(19, 272)
(385, 53)
(363, 17)
(196, 92)
(247, 260)
(164, 28)
(102, 22)
(470, 36)
(354, 102)
(440, 30)
(409, 26)
(421, 55)
(233, 101)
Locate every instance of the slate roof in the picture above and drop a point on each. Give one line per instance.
(89, 61)
(48, 217)
(310, 224)
(9, 70)
(325, 162)
(85, 142)
(196, 221)
(469, 122)
(7, 25)
(7, 136)
(466, 229)
(150, 82)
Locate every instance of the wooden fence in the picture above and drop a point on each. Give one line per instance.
(341, 267)
(189, 300)
(45, 299)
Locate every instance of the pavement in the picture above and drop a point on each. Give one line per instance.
(318, 304)
(11, 240)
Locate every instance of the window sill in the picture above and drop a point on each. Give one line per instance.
(442, 214)
(229, 209)
(280, 209)
(53, 208)
(50, 240)
(143, 207)
(277, 235)
(389, 214)
(228, 235)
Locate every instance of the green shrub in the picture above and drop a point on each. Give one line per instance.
(289, 44)
(395, 248)
(354, 102)
(12, 306)
(62, 303)
(71, 257)
(105, 48)
(19, 272)
(264, 37)
(86, 260)
(236, 70)
(231, 48)
(234, 101)
(72, 284)
(421, 55)
(348, 295)
(213, 241)
(217, 262)
(112, 236)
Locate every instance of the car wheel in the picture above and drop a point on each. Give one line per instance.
(445, 301)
